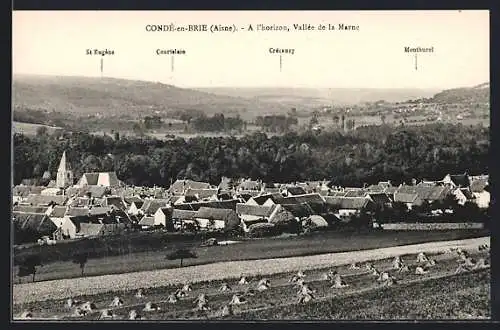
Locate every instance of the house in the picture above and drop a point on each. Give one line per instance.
(106, 179)
(77, 211)
(462, 195)
(56, 214)
(248, 212)
(183, 199)
(150, 206)
(409, 199)
(135, 207)
(304, 198)
(163, 217)
(216, 218)
(267, 199)
(202, 194)
(147, 222)
(116, 201)
(356, 192)
(183, 219)
(251, 214)
(66, 229)
(250, 185)
(90, 229)
(299, 211)
(380, 199)
(293, 190)
(348, 206)
(479, 186)
(459, 180)
(131, 199)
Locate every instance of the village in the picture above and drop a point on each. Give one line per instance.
(100, 204)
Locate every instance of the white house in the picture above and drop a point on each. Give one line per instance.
(162, 215)
(134, 208)
(482, 199)
(65, 228)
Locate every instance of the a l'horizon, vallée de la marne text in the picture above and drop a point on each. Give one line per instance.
(215, 28)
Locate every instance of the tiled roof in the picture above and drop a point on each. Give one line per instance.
(147, 221)
(45, 200)
(405, 197)
(213, 213)
(347, 203)
(36, 222)
(183, 214)
(256, 210)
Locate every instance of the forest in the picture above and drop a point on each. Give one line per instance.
(365, 155)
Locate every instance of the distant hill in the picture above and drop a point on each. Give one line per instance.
(88, 95)
(476, 94)
(322, 96)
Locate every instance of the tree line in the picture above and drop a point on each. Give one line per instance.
(365, 155)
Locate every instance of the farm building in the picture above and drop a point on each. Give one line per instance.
(184, 219)
(217, 218)
(28, 227)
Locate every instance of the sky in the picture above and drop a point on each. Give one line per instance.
(55, 43)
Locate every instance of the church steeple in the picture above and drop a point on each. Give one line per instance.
(64, 173)
(62, 163)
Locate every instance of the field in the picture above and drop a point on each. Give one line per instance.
(439, 293)
(30, 129)
(279, 247)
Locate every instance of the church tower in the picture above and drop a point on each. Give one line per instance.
(64, 173)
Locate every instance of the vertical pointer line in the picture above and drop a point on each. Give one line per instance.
(416, 66)
(281, 63)
(172, 63)
(102, 65)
